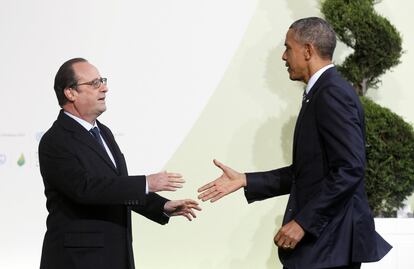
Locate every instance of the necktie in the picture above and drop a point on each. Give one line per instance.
(304, 96)
(96, 134)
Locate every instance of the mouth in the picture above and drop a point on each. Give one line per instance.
(102, 99)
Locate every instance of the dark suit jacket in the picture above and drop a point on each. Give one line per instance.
(325, 181)
(89, 200)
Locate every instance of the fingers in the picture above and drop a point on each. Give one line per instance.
(284, 241)
(164, 181)
(186, 208)
(192, 204)
(280, 240)
(287, 244)
(174, 175)
(293, 244)
(190, 215)
(289, 235)
(175, 180)
(191, 212)
(174, 184)
(212, 183)
(209, 193)
(207, 186)
(217, 197)
(171, 187)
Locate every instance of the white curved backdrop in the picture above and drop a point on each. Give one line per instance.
(189, 81)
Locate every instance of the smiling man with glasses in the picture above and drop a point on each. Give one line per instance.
(89, 192)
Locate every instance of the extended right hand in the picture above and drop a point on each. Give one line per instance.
(164, 181)
(228, 182)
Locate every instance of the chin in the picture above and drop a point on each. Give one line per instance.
(101, 110)
(293, 78)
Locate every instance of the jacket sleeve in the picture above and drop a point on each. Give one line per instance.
(263, 185)
(153, 209)
(340, 126)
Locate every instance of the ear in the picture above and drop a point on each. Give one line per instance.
(68, 92)
(309, 51)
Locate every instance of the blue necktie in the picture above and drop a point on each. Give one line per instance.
(96, 134)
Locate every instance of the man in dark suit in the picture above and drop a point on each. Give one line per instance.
(327, 223)
(89, 193)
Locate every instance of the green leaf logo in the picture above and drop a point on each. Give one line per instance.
(21, 161)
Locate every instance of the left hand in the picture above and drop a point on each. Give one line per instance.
(182, 208)
(289, 235)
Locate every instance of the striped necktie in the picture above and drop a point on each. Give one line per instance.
(304, 97)
(96, 134)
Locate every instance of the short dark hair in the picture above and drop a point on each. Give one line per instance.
(317, 32)
(65, 77)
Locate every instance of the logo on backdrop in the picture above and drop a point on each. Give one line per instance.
(3, 159)
(21, 161)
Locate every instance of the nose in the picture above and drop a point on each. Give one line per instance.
(104, 88)
(284, 56)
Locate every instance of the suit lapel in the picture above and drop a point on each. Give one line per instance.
(307, 103)
(297, 126)
(83, 136)
(87, 139)
(116, 152)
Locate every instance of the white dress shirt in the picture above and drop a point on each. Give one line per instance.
(88, 127)
(315, 77)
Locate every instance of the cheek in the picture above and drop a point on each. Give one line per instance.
(92, 98)
(87, 100)
(290, 60)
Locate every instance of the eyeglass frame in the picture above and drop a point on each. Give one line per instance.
(91, 83)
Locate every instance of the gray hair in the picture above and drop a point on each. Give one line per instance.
(318, 32)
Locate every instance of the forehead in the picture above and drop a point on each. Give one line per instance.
(291, 37)
(85, 70)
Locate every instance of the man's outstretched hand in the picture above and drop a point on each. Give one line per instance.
(164, 181)
(227, 183)
(182, 208)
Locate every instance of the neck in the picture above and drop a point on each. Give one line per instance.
(315, 67)
(72, 110)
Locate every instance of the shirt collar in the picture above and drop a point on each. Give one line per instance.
(82, 122)
(315, 77)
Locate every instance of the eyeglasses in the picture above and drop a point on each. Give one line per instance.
(96, 83)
